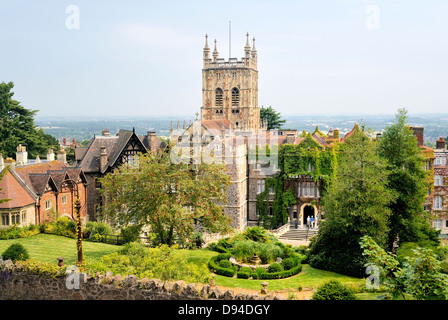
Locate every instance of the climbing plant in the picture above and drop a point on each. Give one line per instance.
(308, 158)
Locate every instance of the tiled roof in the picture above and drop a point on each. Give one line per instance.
(38, 168)
(14, 189)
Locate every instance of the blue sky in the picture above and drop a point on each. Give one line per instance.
(144, 58)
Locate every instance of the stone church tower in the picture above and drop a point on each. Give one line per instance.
(230, 88)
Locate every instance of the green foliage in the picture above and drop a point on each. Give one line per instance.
(244, 250)
(168, 196)
(289, 263)
(333, 290)
(101, 228)
(408, 180)
(275, 267)
(17, 127)
(244, 273)
(15, 252)
(355, 204)
(225, 264)
(272, 117)
(281, 274)
(163, 262)
(419, 275)
(228, 272)
(258, 234)
(130, 233)
(14, 232)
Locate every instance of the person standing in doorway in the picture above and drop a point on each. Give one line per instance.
(312, 222)
(308, 221)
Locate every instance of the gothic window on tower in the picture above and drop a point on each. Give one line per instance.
(235, 97)
(218, 96)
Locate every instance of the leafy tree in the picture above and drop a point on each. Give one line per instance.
(356, 204)
(419, 275)
(272, 117)
(172, 199)
(408, 180)
(2, 174)
(17, 127)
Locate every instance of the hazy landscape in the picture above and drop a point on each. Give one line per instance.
(435, 124)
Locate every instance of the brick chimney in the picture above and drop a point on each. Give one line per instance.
(152, 138)
(336, 134)
(418, 133)
(440, 143)
(105, 132)
(21, 156)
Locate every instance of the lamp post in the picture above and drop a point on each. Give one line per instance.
(70, 183)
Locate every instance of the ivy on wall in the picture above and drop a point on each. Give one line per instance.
(308, 158)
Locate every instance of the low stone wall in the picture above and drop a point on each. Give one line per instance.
(16, 284)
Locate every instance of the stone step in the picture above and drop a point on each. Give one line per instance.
(298, 234)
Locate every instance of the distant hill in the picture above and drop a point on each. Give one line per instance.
(436, 125)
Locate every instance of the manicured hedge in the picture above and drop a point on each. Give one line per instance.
(212, 264)
(281, 274)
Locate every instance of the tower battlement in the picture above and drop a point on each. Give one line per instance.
(230, 88)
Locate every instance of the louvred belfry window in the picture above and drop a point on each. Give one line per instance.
(218, 97)
(235, 97)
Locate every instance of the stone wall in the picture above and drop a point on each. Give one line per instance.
(16, 284)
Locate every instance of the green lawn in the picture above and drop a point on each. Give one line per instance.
(47, 247)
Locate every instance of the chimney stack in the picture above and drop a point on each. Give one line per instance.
(50, 155)
(103, 157)
(336, 134)
(418, 133)
(105, 132)
(21, 156)
(62, 155)
(10, 162)
(152, 138)
(440, 143)
(290, 138)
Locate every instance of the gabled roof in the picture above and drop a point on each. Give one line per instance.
(90, 161)
(38, 168)
(40, 181)
(13, 188)
(348, 134)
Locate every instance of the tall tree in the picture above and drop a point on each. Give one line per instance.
(2, 175)
(17, 127)
(272, 117)
(172, 199)
(408, 180)
(356, 204)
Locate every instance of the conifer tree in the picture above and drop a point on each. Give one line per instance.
(408, 181)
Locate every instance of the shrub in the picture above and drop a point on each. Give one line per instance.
(333, 290)
(269, 252)
(225, 264)
(228, 272)
(275, 267)
(15, 252)
(130, 233)
(289, 263)
(223, 256)
(281, 274)
(15, 232)
(244, 250)
(258, 234)
(100, 228)
(243, 275)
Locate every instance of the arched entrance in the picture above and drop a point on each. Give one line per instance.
(308, 211)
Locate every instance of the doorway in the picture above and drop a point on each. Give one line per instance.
(308, 211)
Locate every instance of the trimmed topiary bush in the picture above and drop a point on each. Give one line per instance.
(15, 252)
(289, 263)
(333, 290)
(275, 267)
(244, 273)
(225, 264)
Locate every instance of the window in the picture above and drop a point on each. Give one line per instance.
(15, 218)
(271, 211)
(437, 223)
(235, 97)
(440, 161)
(437, 202)
(271, 190)
(5, 219)
(23, 216)
(64, 199)
(218, 97)
(48, 205)
(307, 189)
(260, 184)
(438, 180)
